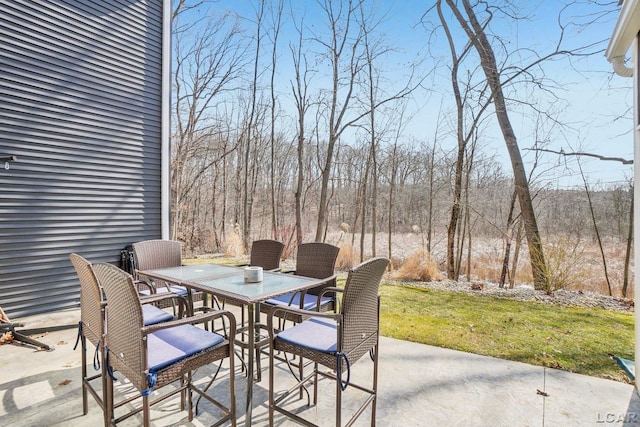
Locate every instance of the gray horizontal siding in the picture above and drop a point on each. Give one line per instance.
(80, 106)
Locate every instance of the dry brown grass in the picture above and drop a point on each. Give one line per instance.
(418, 266)
(489, 268)
(571, 265)
(233, 246)
(346, 257)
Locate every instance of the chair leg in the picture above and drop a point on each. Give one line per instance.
(375, 385)
(184, 394)
(300, 375)
(83, 348)
(108, 396)
(315, 384)
(107, 391)
(232, 388)
(338, 402)
(146, 412)
(189, 395)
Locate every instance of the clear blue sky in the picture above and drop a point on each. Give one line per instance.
(591, 101)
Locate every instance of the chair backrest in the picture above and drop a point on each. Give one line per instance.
(317, 260)
(151, 254)
(360, 303)
(266, 254)
(124, 323)
(91, 300)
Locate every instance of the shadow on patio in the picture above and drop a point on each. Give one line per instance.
(419, 385)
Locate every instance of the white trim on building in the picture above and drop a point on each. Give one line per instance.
(625, 41)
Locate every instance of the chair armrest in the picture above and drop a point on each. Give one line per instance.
(144, 284)
(330, 278)
(328, 290)
(183, 306)
(200, 318)
(294, 310)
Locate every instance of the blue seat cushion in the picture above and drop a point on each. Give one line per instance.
(318, 334)
(171, 345)
(152, 315)
(309, 303)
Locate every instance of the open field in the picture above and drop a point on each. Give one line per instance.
(576, 266)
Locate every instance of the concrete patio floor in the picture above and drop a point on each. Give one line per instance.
(419, 385)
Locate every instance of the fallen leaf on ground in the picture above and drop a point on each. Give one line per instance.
(6, 338)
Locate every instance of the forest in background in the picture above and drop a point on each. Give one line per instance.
(298, 133)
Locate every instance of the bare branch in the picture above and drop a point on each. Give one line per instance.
(582, 153)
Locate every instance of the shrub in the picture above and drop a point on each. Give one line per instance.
(346, 257)
(565, 264)
(232, 245)
(419, 266)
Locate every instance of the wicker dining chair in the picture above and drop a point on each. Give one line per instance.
(315, 260)
(151, 357)
(91, 327)
(266, 254)
(334, 340)
(152, 254)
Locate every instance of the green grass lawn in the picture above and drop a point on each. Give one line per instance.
(573, 339)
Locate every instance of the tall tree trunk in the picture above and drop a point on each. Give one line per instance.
(516, 256)
(478, 37)
(392, 188)
(596, 230)
(299, 90)
(274, 56)
(508, 238)
(453, 259)
(627, 255)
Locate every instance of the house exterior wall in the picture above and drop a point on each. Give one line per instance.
(636, 189)
(83, 108)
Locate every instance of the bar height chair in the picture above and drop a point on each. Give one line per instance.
(92, 327)
(266, 253)
(333, 340)
(159, 253)
(154, 356)
(152, 254)
(315, 260)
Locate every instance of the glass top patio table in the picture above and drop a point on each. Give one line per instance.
(227, 282)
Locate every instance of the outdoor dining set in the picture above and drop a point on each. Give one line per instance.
(159, 325)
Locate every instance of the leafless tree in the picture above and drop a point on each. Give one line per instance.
(466, 14)
(344, 51)
(301, 97)
(276, 27)
(208, 62)
(465, 130)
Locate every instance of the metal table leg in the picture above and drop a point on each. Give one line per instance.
(250, 362)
